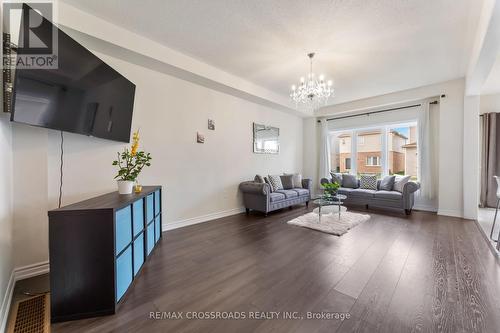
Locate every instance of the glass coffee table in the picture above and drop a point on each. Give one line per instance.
(330, 200)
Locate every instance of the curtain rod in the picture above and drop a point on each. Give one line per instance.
(378, 111)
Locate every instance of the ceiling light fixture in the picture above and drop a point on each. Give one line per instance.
(312, 93)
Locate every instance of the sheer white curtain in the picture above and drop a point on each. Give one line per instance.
(324, 152)
(425, 173)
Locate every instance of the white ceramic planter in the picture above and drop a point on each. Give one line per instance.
(125, 186)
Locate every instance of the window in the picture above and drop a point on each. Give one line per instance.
(402, 149)
(373, 161)
(383, 150)
(347, 163)
(340, 151)
(369, 151)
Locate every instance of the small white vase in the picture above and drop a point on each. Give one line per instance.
(125, 186)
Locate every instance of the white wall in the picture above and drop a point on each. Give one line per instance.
(311, 151)
(30, 194)
(489, 103)
(450, 141)
(471, 156)
(6, 214)
(200, 180)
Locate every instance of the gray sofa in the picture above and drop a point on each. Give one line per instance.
(258, 196)
(381, 199)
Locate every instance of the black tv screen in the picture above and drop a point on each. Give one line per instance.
(82, 95)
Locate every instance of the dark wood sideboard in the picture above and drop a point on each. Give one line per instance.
(97, 248)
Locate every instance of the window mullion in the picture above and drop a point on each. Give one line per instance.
(385, 151)
(354, 152)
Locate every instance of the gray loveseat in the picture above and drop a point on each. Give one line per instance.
(382, 199)
(258, 196)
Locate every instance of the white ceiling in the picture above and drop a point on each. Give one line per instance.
(368, 47)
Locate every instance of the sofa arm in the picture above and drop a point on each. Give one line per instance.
(410, 187)
(408, 198)
(307, 184)
(255, 188)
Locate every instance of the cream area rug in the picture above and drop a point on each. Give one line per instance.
(330, 223)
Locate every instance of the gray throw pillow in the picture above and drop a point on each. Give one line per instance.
(400, 182)
(368, 182)
(266, 180)
(259, 179)
(297, 179)
(287, 182)
(275, 180)
(349, 181)
(336, 177)
(387, 183)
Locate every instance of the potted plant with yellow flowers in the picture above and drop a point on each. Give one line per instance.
(130, 164)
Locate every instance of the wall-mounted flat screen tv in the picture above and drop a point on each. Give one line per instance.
(82, 95)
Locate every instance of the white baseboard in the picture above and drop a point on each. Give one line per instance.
(4, 310)
(449, 212)
(19, 273)
(425, 208)
(24, 272)
(200, 219)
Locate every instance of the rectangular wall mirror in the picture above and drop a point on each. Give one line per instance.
(266, 139)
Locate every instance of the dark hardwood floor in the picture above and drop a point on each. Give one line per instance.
(391, 274)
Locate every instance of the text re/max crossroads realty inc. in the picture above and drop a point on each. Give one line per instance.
(255, 315)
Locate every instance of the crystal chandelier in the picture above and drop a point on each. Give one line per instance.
(314, 92)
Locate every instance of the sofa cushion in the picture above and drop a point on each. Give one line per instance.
(349, 181)
(301, 191)
(345, 190)
(296, 179)
(276, 182)
(387, 183)
(388, 195)
(368, 182)
(361, 193)
(287, 182)
(336, 177)
(288, 193)
(259, 179)
(275, 196)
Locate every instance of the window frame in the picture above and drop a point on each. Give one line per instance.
(370, 159)
(384, 129)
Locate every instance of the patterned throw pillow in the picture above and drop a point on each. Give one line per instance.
(275, 182)
(368, 182)
(287, 182)
(266, 180)
(400, 182)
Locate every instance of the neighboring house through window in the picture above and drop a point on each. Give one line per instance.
(387, 149)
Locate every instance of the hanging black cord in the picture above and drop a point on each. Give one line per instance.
(61, 170)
